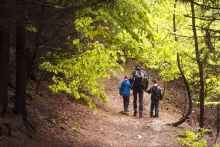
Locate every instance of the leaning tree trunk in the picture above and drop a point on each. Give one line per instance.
(4, 57)
(184, 79)
(201, 93)
(189, 96)
(20, 105)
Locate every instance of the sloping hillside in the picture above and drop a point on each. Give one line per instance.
(59, 120)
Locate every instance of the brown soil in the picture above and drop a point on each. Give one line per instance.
(61, 121)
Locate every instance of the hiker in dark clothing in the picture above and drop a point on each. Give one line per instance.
(156, 95)
(125, 92)
(139, 80)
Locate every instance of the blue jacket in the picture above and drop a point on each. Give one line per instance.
(125, 88)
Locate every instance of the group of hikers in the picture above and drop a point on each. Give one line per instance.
(138, 82)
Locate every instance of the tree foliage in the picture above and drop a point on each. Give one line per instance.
(142, 30)
(109, 33)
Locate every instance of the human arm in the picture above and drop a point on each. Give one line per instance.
(148, 91)
(120, 89)
(146, 82)
(129, 85)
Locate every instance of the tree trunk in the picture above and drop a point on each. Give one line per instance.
(184, 79)
(218, 123)
(185, 103)
(4, 58)
(201, 93)
(174, 21)
(20, 104)
(190, 99)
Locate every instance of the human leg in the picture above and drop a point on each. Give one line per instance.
(156, 108)
(151, 108)
(124, 99)
(126, 103)
(140, 103)
(135, 101)
(140, 100)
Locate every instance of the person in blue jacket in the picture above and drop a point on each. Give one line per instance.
(124, 91)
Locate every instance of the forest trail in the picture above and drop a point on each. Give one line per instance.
(109, 127)
(76, 125)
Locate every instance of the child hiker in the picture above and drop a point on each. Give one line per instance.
(125, 92)
(156, 95)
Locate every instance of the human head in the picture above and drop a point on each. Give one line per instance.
(126, 77)
(155, 81)
(138, 66)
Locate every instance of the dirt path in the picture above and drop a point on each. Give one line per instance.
(109, 127)
(77, 125)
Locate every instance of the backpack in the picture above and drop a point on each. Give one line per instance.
(139, 78)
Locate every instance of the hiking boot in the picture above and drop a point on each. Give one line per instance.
(140, 115)
(155, 115)
(151, 115)
(126, 110)
(135, 112)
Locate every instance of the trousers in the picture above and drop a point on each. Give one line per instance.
(126, 102)
(138, 91)
(154, 104)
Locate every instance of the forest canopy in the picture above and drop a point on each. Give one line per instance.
(142, 30)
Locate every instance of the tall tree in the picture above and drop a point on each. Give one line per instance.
(200, 65)
(183, 76)
(4, 55)
(20, 100)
